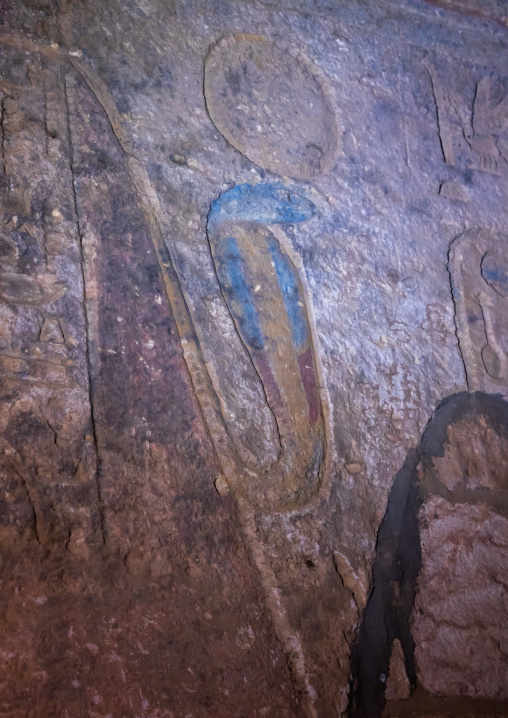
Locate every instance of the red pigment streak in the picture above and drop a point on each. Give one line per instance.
(306, 364)
(270, 385)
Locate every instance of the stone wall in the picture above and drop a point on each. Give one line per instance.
(253, 358)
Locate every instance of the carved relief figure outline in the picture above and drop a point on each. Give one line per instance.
(289, 283)
(479, 283)
(473, 135)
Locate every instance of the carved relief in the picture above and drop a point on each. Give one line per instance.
(276, 108)
(296, 462)
(479, 277)
(51, 331)
(273, 104)
(473, 121)
(266, 298)
(489, 142)
(47, 427)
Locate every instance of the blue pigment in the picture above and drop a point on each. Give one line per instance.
(239, 297)
(264, 203)
(289, 289)
(496, 275)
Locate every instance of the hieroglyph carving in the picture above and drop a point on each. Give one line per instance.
(278, 109)
(264, 293)
(478, 267)
(273, 104)
(473, 121)
(48, 448)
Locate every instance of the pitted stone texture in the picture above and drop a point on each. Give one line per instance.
(397, 684)
(460, 618)
(476, 457)
(374, 264)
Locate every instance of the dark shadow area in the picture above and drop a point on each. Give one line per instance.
(398, 554)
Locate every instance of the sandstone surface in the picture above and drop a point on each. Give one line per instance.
(249, 251)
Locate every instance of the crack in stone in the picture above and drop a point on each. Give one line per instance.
(191, 350)
(455, 315)
(433, 86)
(2, 136)
(86, 313)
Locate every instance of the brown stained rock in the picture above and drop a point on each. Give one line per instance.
(355, 581)
(460, 626)
(426, 705)
(475, 457)
(460, 618)
(128, 586)
(51, 331)
(20, 289)
(397, 682)
(354, 468)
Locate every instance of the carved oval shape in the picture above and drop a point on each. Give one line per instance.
(274, 105)
(265, 295)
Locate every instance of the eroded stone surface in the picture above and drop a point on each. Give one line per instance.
(475, 457)
(397, 682)
(130, 586)
(460, 609)
(433, 586)
(460, 625)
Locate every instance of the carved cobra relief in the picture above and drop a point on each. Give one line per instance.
(281, 463)
(265, 295)
(277, 108)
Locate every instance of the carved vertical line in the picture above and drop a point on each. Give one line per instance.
(204, 392)
(458, 318)
(46, 120)
(149, 204)
(442, 132)
(2, 136)
(90, 293)
(290, 640)
(9, 110)
(466, 350)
